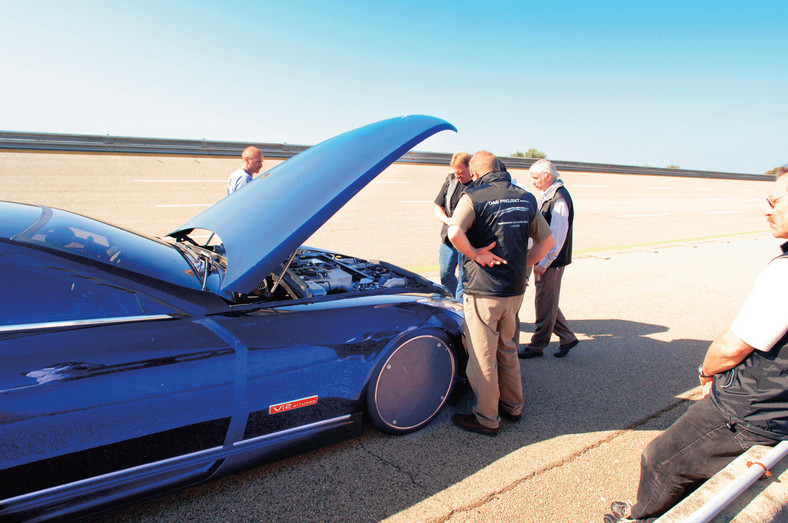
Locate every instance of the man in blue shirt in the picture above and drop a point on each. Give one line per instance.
(252, 163)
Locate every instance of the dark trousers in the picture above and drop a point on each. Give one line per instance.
(693, 449)
(549, 318)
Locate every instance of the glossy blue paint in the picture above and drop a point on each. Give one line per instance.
(95, 240)
(262, 224)
(117, 382)
(16, 217)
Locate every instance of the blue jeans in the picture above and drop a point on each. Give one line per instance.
(449, 260)
(697, 446)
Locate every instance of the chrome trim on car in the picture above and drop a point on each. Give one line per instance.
(85, 323)
(82, 493)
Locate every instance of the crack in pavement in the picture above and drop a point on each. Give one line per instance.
(692, 395)
(393, 465)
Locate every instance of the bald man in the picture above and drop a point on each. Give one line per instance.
(252, 163)
(490, 227)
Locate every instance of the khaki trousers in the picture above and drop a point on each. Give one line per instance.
(492, 332)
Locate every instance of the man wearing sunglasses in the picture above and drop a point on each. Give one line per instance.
(745, 390)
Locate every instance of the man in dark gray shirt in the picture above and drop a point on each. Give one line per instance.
(446, 201)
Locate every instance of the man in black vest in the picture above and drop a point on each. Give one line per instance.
(490, 227)
(448, 197)
(559, 212)
(745, 390)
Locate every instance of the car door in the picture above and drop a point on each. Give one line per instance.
(308, 362)
(99, 376)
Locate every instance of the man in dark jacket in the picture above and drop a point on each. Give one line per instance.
(745, 390)
(448, 258)
(490, 227)
(559, 212)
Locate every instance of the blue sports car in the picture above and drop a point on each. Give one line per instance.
(131, 365)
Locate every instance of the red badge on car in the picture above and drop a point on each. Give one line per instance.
(290, 405)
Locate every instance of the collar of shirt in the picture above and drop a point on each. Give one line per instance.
(550, 191)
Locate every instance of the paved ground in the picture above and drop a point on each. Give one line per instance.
(644, 318)
(663, 266)
(392, 218)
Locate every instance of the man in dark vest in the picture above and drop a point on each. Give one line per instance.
(745, 390)
(448, 197)
(490, 227)
(557, 209)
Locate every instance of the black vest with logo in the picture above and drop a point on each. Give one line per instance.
(565, 256)
(754, 393)
(504, 214)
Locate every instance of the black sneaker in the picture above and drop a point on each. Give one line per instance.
(621, 509)
(610, 518)
(620, 513)
(563, 350)
(525, 353)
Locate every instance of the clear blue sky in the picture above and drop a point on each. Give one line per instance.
(701, 85)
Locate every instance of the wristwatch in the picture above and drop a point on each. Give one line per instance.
(701, 374)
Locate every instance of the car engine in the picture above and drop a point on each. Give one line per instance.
(331, 273)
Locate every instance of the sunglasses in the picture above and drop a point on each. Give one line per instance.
(773, 201)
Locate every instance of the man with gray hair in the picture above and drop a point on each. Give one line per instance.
(559, 212)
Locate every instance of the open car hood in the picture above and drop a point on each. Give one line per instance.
(265, 221)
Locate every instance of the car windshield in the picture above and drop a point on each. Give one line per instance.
(112, 245)
(209, 266)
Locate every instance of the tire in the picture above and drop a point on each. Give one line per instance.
(411, 383)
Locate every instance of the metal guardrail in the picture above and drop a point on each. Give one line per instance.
(632, 169)
(82, 143)
(736, 487)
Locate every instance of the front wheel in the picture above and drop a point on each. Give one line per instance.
(411, 383)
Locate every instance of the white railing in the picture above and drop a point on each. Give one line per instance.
(736, 487)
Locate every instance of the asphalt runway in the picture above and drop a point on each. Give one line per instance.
(662, 265)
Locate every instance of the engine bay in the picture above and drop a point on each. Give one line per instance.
(330, 273)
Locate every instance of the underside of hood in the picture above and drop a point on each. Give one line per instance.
(262, 223)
